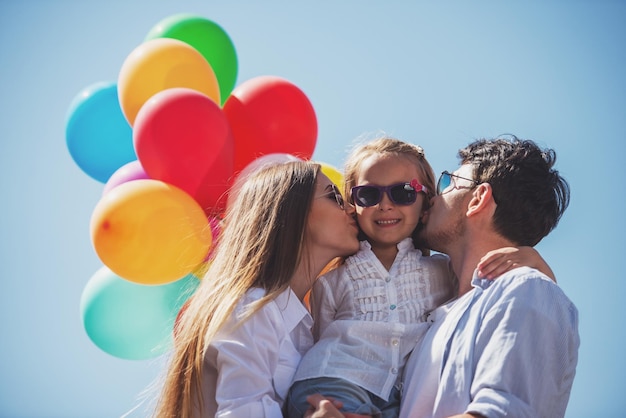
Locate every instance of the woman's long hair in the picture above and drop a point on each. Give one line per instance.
(261, 245)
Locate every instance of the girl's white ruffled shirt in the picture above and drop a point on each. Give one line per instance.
(368, 319)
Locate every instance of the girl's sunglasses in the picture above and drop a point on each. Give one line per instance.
(399, 194)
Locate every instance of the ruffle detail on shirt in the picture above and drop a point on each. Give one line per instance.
(402, 294)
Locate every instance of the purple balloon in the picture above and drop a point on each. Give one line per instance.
(128, 172)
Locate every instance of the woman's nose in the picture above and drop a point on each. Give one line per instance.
(349, 208)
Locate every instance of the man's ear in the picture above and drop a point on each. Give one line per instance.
(481, 200)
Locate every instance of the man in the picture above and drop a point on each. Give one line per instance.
(507, 347)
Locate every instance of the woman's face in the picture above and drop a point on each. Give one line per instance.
(332, 231)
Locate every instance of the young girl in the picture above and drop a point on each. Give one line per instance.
(241, 338)
(370, 312)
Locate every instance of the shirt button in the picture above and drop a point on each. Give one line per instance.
(387, 279)
(394, 342)
(392, 307)
(394, 370)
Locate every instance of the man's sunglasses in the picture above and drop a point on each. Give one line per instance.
(446, 179)
(399, 194)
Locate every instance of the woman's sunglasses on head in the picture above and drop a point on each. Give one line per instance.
(335, 195)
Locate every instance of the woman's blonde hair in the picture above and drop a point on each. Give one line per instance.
(261, 245)
(387, 146)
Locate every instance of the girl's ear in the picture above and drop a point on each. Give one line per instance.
(482, 199)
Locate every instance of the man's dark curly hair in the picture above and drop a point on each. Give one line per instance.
(530, 194)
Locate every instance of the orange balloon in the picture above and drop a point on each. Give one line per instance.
(150, 232)
(161, 64)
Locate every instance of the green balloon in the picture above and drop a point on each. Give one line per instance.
(129, 320)
(209, 39)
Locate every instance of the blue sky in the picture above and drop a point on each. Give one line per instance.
(439, 75)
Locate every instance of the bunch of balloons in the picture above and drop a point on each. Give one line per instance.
(168, 140)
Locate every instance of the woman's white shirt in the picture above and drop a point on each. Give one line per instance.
(249, 367)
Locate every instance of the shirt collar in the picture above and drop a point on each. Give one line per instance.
(480, 282)
(403, 246)
(292, 310)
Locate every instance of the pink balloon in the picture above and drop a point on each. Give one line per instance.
(183, 138)
(128, 172)
(216, 228)
(255, 165)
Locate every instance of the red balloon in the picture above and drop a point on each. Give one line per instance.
(268, 115)
(183, 138)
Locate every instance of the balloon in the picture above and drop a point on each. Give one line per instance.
(216, 226)
(216, 230)
(333, 174)
(183, 138)
(98, 136)
(267, 115)
(264, 161)
(129, 320)
(257, 164)
(209, 39)
(179, 316)
(128, 172)
(160, 64)
(149, 232)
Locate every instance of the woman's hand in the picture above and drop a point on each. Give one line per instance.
(499, 261)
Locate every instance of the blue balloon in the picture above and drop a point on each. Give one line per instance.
(98, 136)
(129, 320)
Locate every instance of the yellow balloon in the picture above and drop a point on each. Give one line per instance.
(150, 232)
(333, 174)
(160, 64)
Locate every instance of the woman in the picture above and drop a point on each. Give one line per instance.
(246, 328)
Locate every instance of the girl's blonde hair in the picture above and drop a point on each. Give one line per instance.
(261, 245)
(387, 146)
